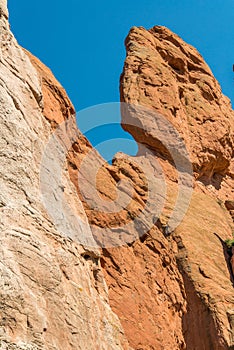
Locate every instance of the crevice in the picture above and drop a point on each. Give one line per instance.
(198, 322)
(227, 252)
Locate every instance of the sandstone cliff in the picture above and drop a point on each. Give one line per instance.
(154, 284)
(51, 296)
(177, 292)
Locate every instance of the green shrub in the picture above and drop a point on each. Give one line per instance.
(229, 242)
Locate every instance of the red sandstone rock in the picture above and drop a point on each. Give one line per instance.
(170, 290)
(191, 305)
(169, 76)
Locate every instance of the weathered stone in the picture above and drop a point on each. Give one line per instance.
(51, 297)
(176, 292)
(168, 289)
(169, 76)
(3, 8)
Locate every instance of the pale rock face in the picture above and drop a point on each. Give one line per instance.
(51, 296)
(3, 8)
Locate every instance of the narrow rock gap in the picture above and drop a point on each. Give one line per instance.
(198, 322)
(227, 255)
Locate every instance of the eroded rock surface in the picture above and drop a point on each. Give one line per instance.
(150, 287)
(176, 292)
(52, 293)
(168, 75)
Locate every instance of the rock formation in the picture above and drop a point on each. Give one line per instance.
(53, 295)
(177, 292)
(139, 282)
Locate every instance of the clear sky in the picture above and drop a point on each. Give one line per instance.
(83, 41)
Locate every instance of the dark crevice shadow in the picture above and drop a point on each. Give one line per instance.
(215, 180)
(198, 323)
(227, 252)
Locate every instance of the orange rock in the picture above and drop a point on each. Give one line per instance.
(171, 289)
(167, 75)
(176, 292)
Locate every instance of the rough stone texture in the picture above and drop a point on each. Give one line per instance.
(229, 204)
(177, 292)
(3, 8)
(52, 291)
(170, 76)
(169, 290)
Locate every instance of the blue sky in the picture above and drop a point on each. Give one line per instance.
(83, 41)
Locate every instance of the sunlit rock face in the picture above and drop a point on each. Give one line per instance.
(3, 8)
(52, 295)
(131, 282)
(166, 74)
(176, 291)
